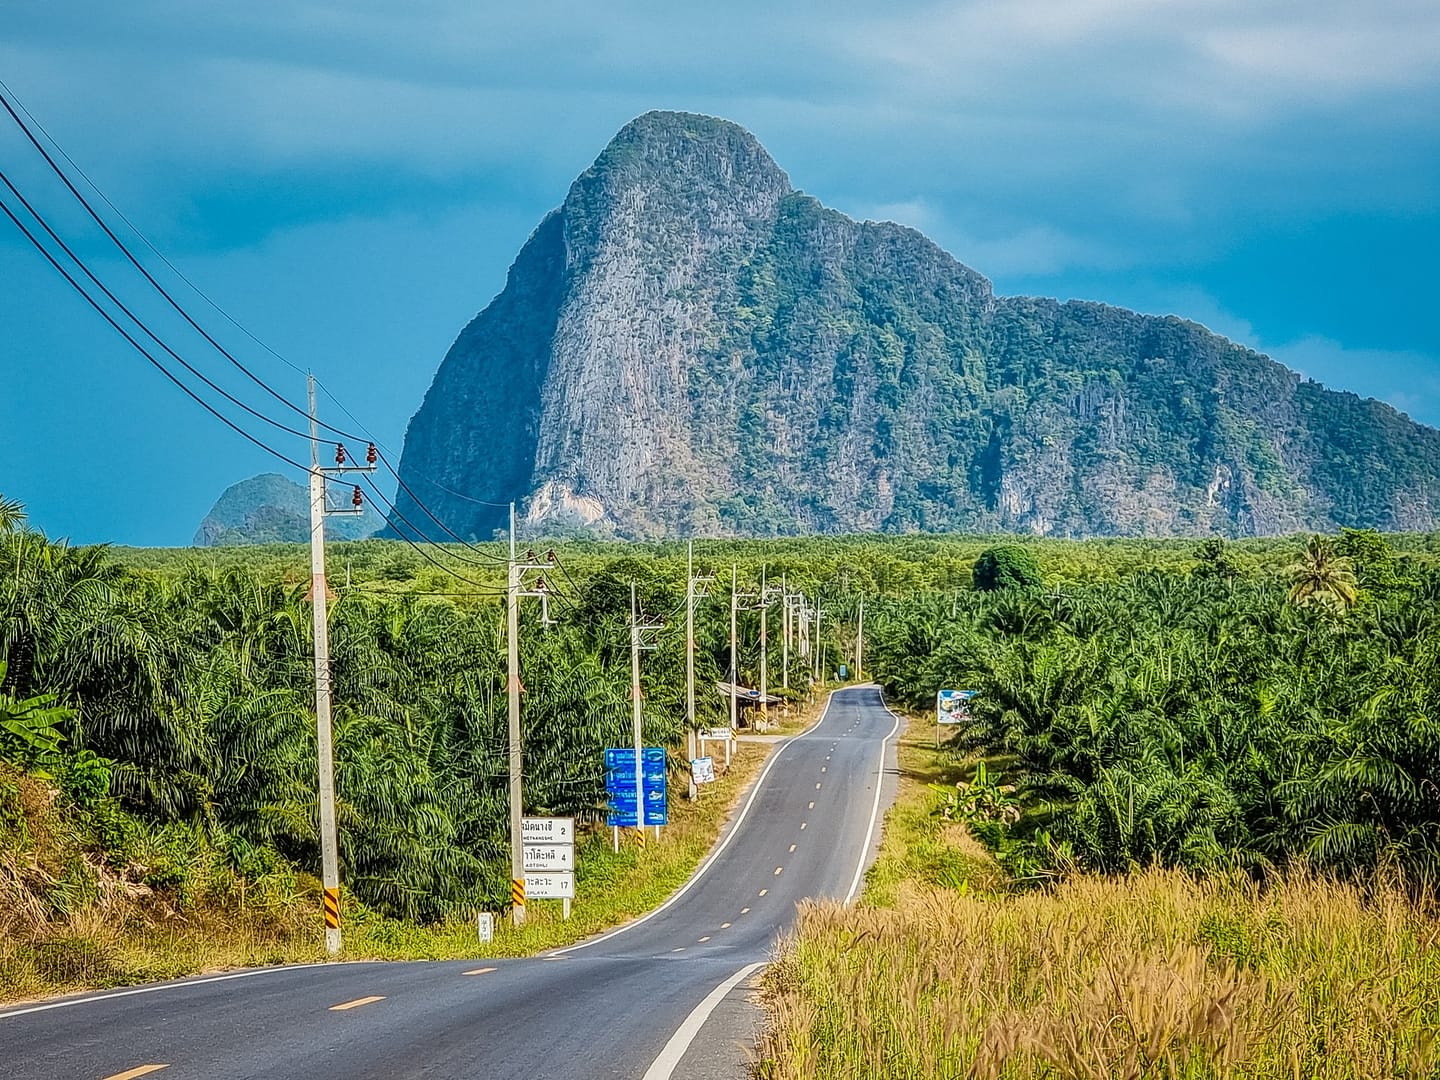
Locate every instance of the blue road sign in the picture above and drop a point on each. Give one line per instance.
(620, 785)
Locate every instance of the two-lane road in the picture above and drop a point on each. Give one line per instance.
(606, 1008)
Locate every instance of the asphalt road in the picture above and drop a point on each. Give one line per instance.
(608, 1008)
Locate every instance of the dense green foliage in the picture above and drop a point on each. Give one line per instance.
(1164, 700)
(1201, 719)
(1006, 567)
(184, 700)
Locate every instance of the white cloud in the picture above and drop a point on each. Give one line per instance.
(1022, 250)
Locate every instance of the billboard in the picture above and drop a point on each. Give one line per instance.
(953, 706)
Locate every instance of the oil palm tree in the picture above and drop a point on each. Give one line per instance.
(1322, 576)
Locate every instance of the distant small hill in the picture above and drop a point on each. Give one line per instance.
(273, 509)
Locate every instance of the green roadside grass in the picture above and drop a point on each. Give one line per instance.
(113, 940)
(945, 970)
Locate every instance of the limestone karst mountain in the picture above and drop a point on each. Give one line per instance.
(688, 345)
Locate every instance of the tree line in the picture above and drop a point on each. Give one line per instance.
(1198, 719)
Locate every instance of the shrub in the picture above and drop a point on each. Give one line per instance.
(1006, 567)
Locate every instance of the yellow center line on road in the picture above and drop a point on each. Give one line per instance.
(764, 891)
(811, 806)
(479, 971)
(724, 926)
(817, 786)
(344, 1005)
(705, 938)
(139, 1070)
(777, 870)
(792, 848)
(822, 768)
(803, 824)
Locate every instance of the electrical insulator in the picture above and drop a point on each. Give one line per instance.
(371, 454)
(356, 498)
(530, 555)
(550, 556)
(539, 584)
(339, 454)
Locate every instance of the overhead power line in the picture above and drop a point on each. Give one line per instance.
(40, 247)
(5, 99)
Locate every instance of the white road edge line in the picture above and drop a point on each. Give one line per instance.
(734, 830)
(874, 810)
(162, 986)
(664, 1065)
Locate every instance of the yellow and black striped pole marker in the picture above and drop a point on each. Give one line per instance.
(640, 836)
(332, 909)
(517, 892)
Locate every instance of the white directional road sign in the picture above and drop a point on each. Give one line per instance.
(555, 886)
(548, 857)
(547, 830)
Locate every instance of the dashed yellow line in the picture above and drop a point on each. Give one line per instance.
(344, 1005)
(744, 911)
(817, 785)
(705, 938)
(764, 891)
(811, 806)
(139, 1070)
(479, 971)
(777, 870)
(724, 926)
(792, 848)
(803, 824)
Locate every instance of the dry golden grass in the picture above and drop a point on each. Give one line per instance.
(1155, 975)
(941, 973)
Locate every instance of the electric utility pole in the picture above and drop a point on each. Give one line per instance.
(325, 752)
(784, 635)
(734, 659)
(818, 649)
(637, 629)
(691, 595)
(764, 599)
(514, 590)
(860, 640)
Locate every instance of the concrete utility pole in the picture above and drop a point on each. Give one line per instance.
(818, 649)
(764, 670)
(690, 748)
(514, 590)
(763, 599)
(734, 658)
(512, 695)
(784, 635)
(860, 640)
(319, 593)
(638, 718)
(636, 630)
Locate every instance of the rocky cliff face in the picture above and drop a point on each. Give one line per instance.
(688, 345)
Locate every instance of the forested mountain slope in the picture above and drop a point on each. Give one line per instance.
(689, 345)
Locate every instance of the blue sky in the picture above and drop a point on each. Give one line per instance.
(351, 181)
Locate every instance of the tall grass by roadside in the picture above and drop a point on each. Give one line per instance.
(942, 972)
(1154, 975)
